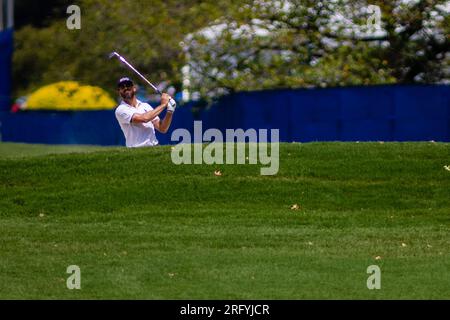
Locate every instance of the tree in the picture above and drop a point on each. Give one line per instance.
(417, 43)
(147, 32)
(272, 44)
(240, 45)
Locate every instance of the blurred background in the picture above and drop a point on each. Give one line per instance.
(316, 70)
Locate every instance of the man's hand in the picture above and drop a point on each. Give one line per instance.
(172, 105)
(165, 98)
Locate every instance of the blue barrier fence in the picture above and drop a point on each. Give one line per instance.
(6, 51)
(387, 113)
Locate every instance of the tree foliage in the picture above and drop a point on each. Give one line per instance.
(69, 95)
(147, 32)
(274, 44)
(231, 46)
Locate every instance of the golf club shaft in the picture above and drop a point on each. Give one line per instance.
(122, 59)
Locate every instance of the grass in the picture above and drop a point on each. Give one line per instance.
(20, 150)
(140, 227)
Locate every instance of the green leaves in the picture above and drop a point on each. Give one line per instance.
(147, 32)
(240, 45)
(273, 44)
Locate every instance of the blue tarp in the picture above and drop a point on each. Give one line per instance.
(6, 50)
(385, 113)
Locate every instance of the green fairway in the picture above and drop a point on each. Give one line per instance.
(140, 227)
(20, 150)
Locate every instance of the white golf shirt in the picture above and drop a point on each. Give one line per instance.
(136, 134)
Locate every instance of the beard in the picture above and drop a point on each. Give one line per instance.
(128, 94)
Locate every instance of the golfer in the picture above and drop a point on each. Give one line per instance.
(138, 120)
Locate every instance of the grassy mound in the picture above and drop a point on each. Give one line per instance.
(139, 226)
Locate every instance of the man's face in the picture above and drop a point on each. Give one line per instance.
(127, 91)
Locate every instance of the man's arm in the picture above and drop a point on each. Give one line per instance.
(163, 126)
(148, 116)
(151, 115)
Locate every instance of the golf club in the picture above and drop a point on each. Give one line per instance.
(122, 59)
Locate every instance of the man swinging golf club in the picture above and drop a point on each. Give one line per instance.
(138, 120)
